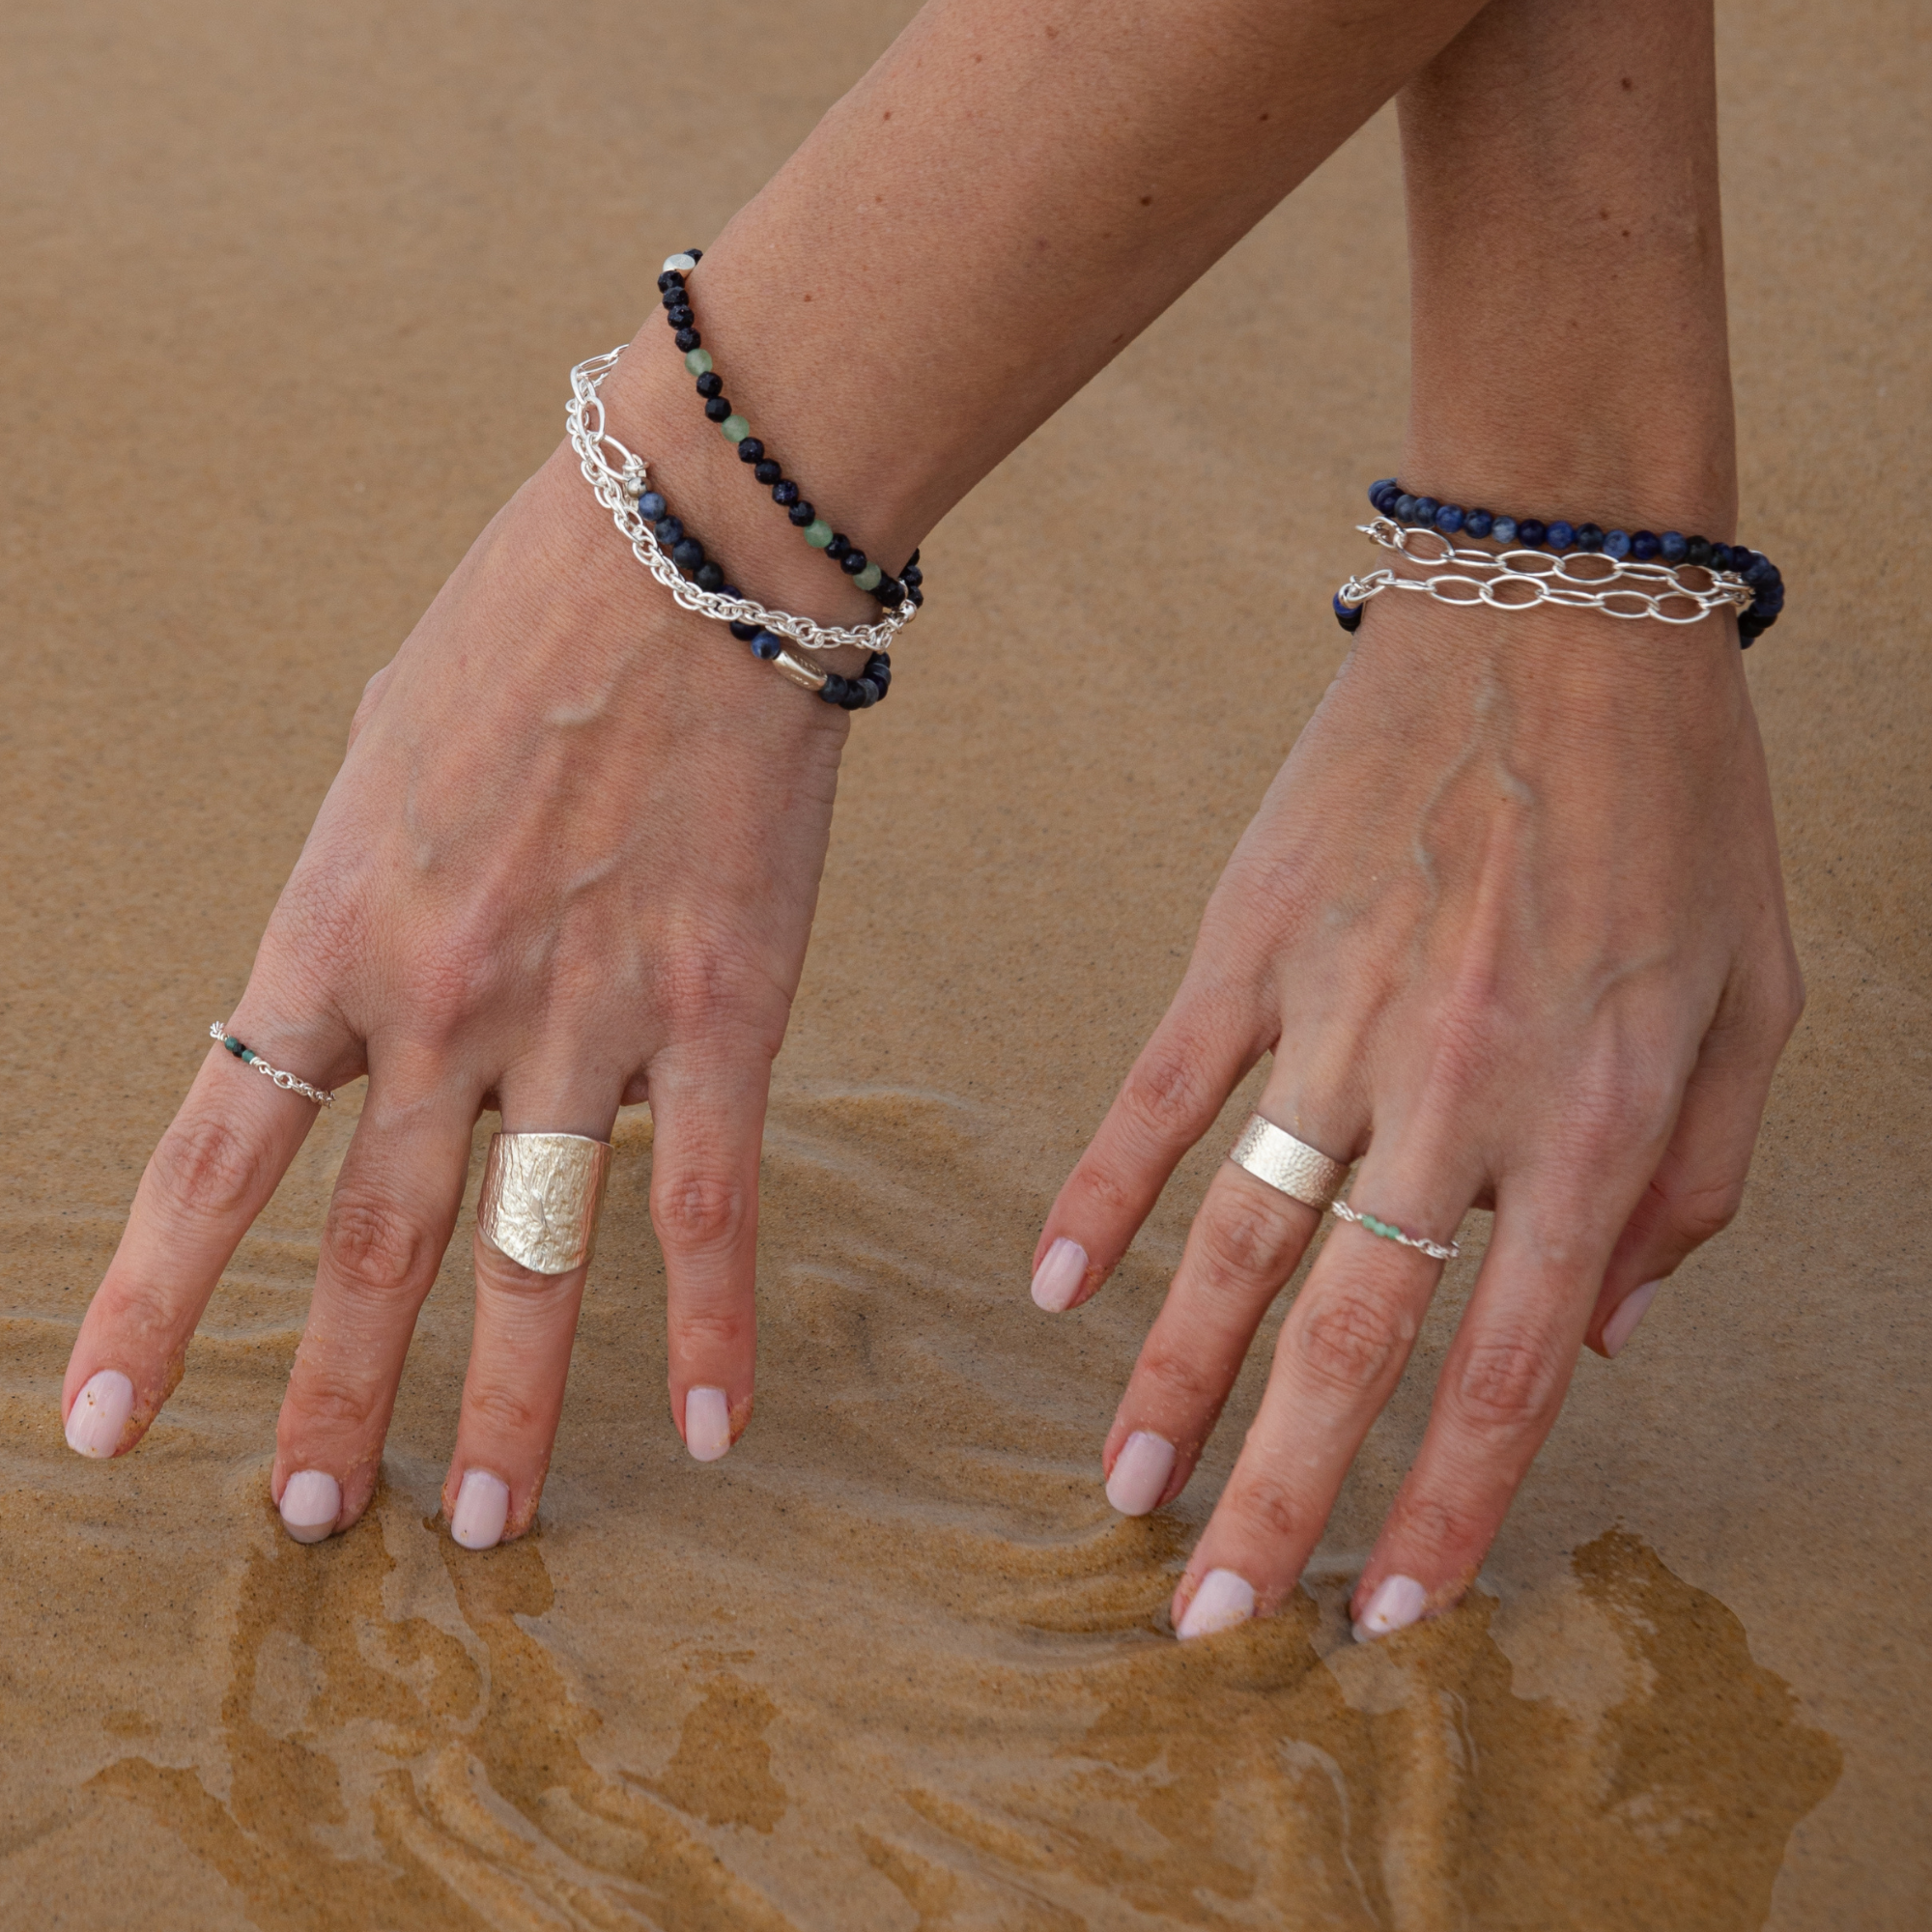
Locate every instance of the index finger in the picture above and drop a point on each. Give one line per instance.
(213, 1171)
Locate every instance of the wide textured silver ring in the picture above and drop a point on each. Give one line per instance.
(541, 1193)
(1297, 1170)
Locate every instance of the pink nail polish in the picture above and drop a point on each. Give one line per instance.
(1223, 1601)
(707, 1423)
(1397, 1602)
(311, 1501)
(1629, 1311)
(482, 1508)
(99, 1413)
(1061, 1271)
(1140, 1473)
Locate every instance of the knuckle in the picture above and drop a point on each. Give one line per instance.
(1264, 1502)
(1187, 1385)
(715, 1331)
(1699, 1212)
(334, 1405)
(502, 1413)
(1435, 1523)
(694, 1211)
(1350, 1337)
(374, 1248)
(1509, 1384)
(1246, 1239)
(208, 1167)
(1168, 1096)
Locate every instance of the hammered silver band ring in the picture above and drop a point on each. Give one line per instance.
(1289, 1166)
(540, 1198)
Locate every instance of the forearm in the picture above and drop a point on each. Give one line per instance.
(1568, 295)
(983, 222)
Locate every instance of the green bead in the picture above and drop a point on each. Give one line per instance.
(248, 1057)
(234, 1046)
(698, 361)
(818, 533)
(735, 429)
(869, 578)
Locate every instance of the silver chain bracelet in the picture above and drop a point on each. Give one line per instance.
(1519, 580)
(619, 490)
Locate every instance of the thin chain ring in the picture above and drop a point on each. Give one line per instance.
(1435, 1250)
(619, 490)
(323, 1097)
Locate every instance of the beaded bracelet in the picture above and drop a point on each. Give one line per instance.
(657, 538)
(766, 470)
(1638, 546)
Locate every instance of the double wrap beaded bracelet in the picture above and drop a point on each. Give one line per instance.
(1531, 555)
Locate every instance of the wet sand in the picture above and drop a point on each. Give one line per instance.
(292, 293)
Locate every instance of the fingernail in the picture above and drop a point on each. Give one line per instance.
(1621, 1326)
(1057, 1280)
(1140, 1473)
(1223, 1601)
(707, 1423)
(1397, 1602)
(99, 1413)
(311, 1501)
(482, 1508)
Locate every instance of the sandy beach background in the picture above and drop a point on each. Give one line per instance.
(290, 297)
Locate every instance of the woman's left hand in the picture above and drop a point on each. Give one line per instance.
(1511, 923)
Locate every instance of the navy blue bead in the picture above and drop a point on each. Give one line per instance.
(717, 408)
(766, 645)
(1560, 535)
(671, 279)
(695, 254)
(892, 593)
(1671, 547)
(1759, 570)
(1449, 519)
(1589, 537)
(740, 630)
(1697, 550)
(1503, 529)
(651, 506)
(1478, 523)
(801, 512)
(913, 575)
(917, 595)
(1426, 508)
(670, 530)
(681, 316)
(710, 383)
(1348, 619)
(688, 339)
(751, 449)
(708, 577)
(688, 555)
(1377, 488)
(767, 472)
(1751, 627)
(911, 564)
(1644, 546)
(832, 690)
(852, 563)
(841, 543)
(1616, 543)
(870, 694)
(784, 495)
(1405, 508)
(674, 292)
(1529, 534)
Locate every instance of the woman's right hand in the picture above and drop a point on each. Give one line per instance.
(570, 861)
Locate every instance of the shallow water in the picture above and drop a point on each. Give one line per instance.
(299, 291)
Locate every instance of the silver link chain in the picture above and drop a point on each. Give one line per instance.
(619, 490)
(287, 1082)
(1519, 580)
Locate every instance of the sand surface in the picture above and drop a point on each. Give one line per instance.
(290, 295)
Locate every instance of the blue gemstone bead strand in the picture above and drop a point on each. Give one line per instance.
(1391, 499)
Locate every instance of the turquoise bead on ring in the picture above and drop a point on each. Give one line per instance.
(1389, 1231)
